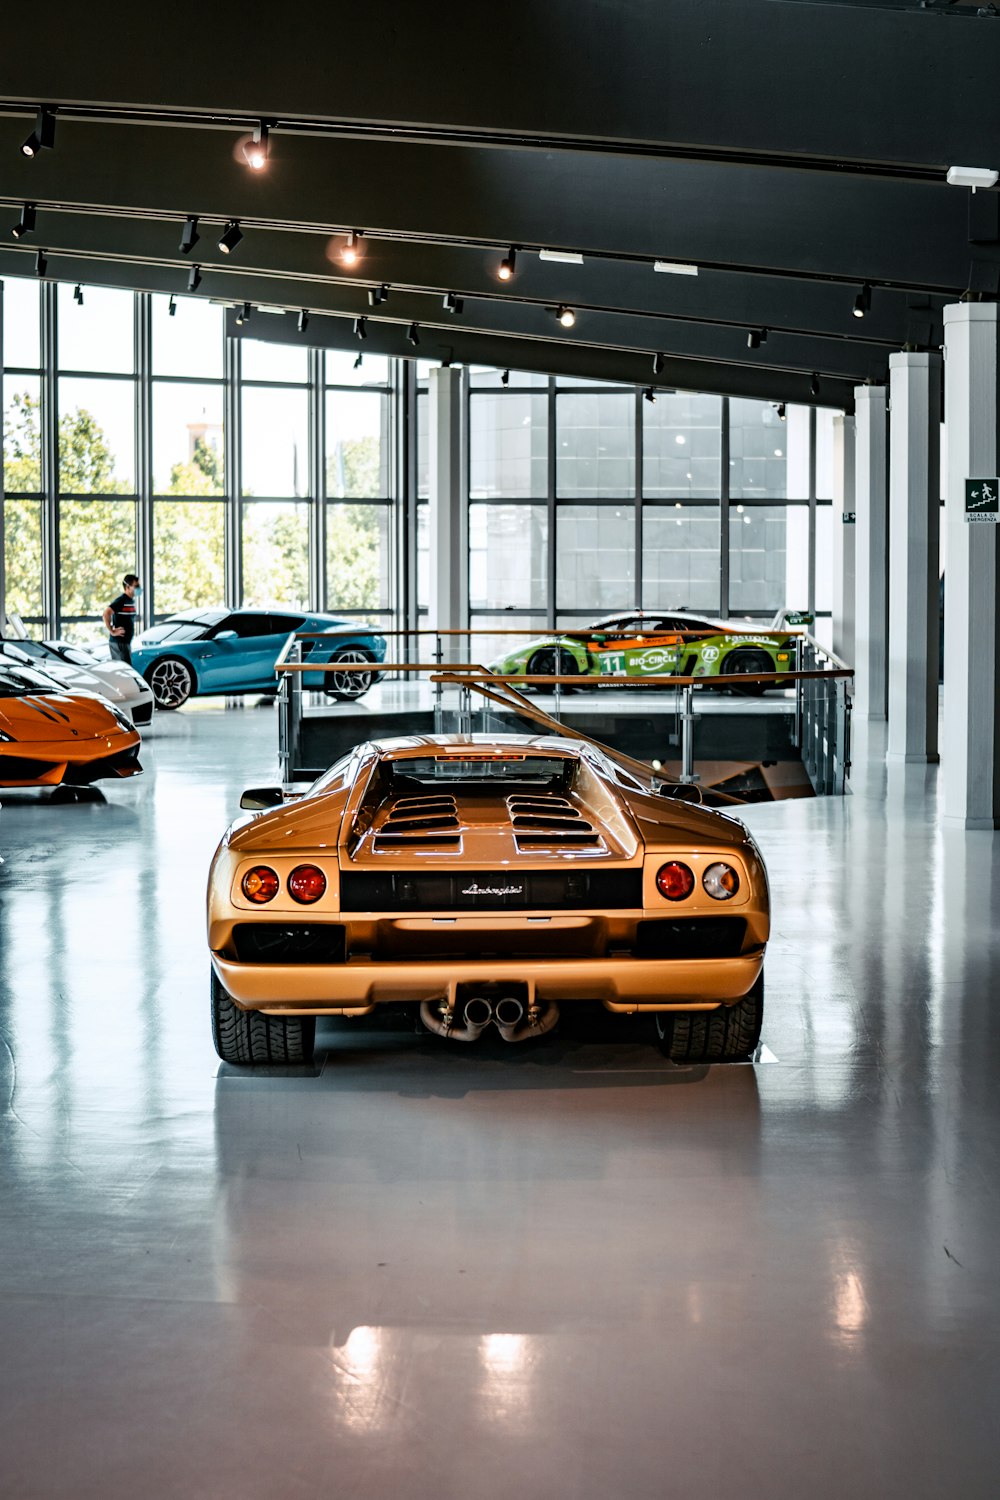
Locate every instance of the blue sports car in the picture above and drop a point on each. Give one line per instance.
(209, 651)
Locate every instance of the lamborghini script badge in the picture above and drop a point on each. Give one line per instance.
(492, 890)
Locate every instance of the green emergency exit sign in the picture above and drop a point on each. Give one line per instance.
(982, 500)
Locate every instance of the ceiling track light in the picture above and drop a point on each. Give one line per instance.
(781, 411)
(862, 301)
(756, 337)
(172, 307)
(230, 237)
(25, 223)
(507, 265)
(377, 295)
(505, 377)
(255, 150)
(194, 278)
(41, 264)
(564, 257)
(303, 321)
(566, 315)
(412, 335)
(243, 314)
(78, 294)
(357, 362)
(361, 328)
(658, 364)
(814, 385)
(43, 137)
(189, 235)
(451, 303)
(351, 253)
(649, 395)
(972, 177)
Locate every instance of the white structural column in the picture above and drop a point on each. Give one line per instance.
(971, 745)
(844, 529)
(871, 544)
(914, 520)
(448, 540)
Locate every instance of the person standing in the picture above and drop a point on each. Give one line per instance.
(119, 619)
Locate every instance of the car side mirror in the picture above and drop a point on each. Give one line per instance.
(256, 798)
(226, 635)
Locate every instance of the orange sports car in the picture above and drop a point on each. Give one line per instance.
(50, 737)
(479, 881)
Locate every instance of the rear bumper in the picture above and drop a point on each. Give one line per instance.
(619, 983)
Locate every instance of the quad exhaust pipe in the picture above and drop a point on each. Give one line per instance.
(514, 1022)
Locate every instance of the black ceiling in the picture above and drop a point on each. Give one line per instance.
(795, 152)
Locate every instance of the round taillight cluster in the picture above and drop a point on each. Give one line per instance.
(675, 880)
(260, 884)
(306, 884)
(721, 882)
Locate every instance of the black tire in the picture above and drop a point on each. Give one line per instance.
(247, 1037)
(349, 685)
(552, 661)
(749, 662)
(172, 682)
(728, 1034)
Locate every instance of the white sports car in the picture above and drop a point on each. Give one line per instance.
(77, 671)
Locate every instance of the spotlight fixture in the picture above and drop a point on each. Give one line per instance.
(351, 252)
(303, 321)
(507, 265)
(862, 301)
(412, 336)
(377, 295)
(243, 314)
(189, 235)
(649, 395)
(78, 294)
(814, 385)
(451, 303)
(658, 363)
(43, 137)
(357, 362)
(194, 278)
(756, 337)
(172, 307)
(230, 237)
(505, 377)
(41, 264)
(781, 411)
(972, 177)
(255, 150)
(25, 223)
(566, 316)
(361, 328)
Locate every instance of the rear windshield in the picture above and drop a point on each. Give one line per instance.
(539, 770)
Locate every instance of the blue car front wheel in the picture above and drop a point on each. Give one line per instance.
(171, 680)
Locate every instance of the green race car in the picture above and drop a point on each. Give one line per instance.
(675, 643)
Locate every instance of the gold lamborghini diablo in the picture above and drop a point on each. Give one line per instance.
(485, 882)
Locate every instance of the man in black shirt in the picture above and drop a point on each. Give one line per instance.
(119, 619)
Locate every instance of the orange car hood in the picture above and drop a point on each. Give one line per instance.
(37, 718)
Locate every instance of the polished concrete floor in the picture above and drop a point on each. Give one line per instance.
(569, 1270)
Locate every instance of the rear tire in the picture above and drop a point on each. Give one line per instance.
(728, 1034)
(172, 682)
(349, 685)
(749, 662)
(552, 661)
(247, 1037)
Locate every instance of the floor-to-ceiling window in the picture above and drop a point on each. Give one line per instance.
(259, 474)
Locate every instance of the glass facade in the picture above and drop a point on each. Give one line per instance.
(259, 473)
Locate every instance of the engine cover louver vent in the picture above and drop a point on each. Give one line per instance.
(420, 822)
(550, 823)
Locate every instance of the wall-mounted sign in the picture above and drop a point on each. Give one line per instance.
(849, 517)
(982, 500)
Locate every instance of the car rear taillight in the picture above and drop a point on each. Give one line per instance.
(674, 880)
(306, 883)
(721, 882)
(260, 884)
